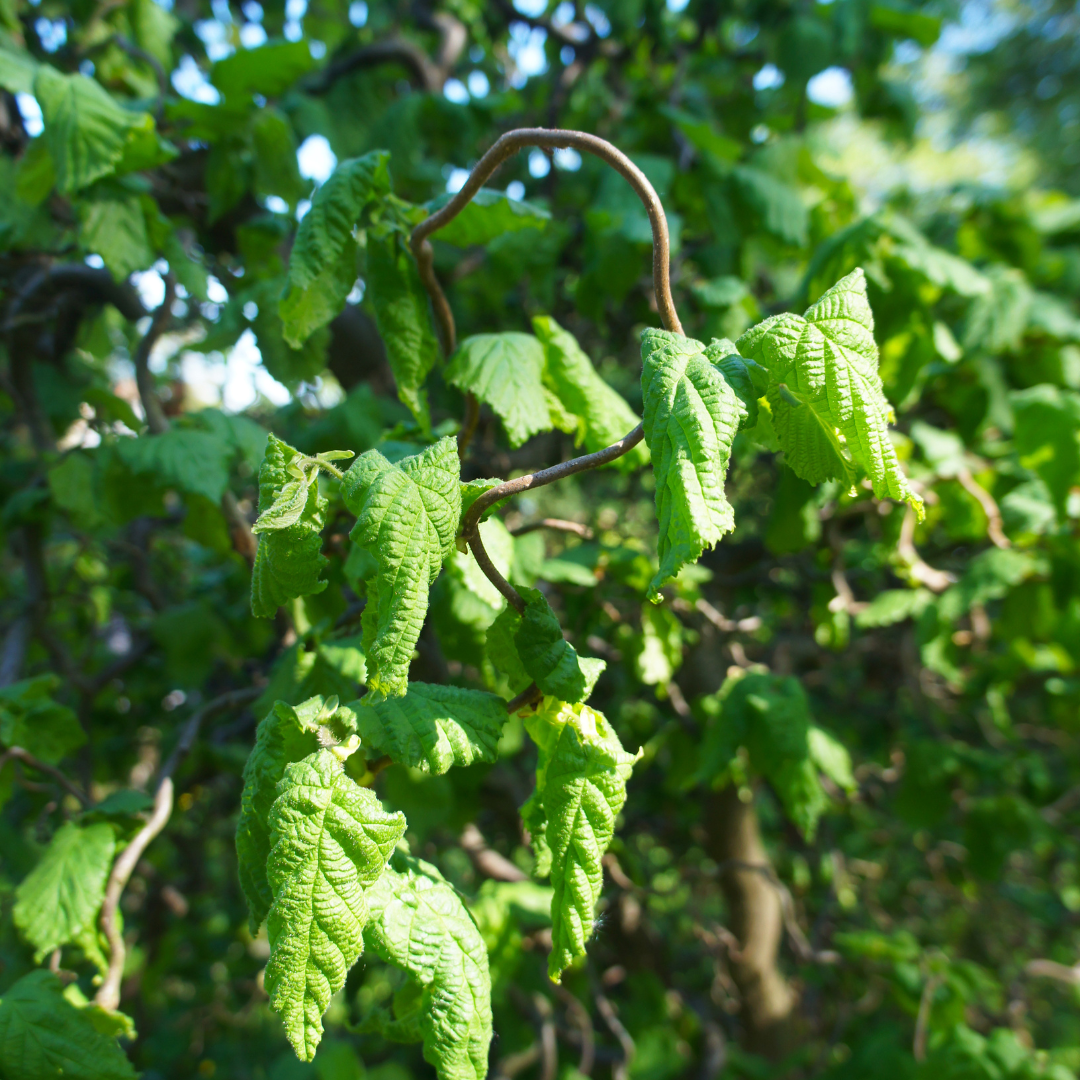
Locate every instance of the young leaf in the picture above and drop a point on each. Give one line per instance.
(604, 414)
(488, 215)
(691, 417)
(419, 924)
(403, 318)
(550, 660)
(505, 371)
(825, 393)
(289, 560)
(407, 517)
(60, 897)
(580, 788)
(285, 735)
(43, 1035)
(322, 264)
(433, 727)
(330, 839)
(85, 127)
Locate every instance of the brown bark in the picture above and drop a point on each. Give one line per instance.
(756, 919)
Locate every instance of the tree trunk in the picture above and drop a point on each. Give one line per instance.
(756, 920)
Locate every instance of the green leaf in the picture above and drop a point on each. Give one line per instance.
(276, 168)
(419, 924)
(286, 510)
(35, 176)
(31, 719)
(17, 71)
(691, 417)
(748, 379)
(825, 393)
(893, 606)
(403, 318)
(85, 127)
(285, 735)
(1047, 421)
(60, 897)
(506, 372)
(44, 1035)
(550, 660)
(433, 727)
(322, 263)
(289, 561)
(998, 316)
(330, 840)
(154, 29)
(115, 229)
(407, 517)
(268, 70)
(778, 205)
(192, 461)
(604, 416)
(581, 779)
(488, 215)
(770, 716)
(989, 576)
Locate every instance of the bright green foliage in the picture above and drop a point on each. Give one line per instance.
(506, 372)
(289, 560)
(285, 735)
(330, 840)
(580, 788)
(691, 417)
(407, 516)
(30, 718)
(59, 899)
(770, 716)
(192, 461)
(548, 658)
(603, 415)
(403, 317)
(43, 1035)
(828, 407)
(490, 214)
(1047, 421)
(115, 229)
(433, 727)
(85, 128)
(419, 923)
(322, 263)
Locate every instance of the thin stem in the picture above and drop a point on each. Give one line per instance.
(547, 476)
(17, 753)
(556, 525)
(550, 139)
(108, 996)
(531, 695)
(491, 572)
(468, 423)
(156, 420)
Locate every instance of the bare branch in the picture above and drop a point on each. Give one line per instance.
(531, 695)
(924, 574)
(557, 525)
(994, 528)
(922, 1021)
(486, 860)
(17, 753)
(156, 420)
(620, 1070)
(1050, 969)
(190, 731)
(491, 572)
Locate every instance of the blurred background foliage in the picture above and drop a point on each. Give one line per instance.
(156, 158)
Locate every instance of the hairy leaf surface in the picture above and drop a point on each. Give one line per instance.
(407, 516)
(433, 727)
(60, 897)
(550, 660)
(828, 407)
(43, 1035)
(580, 788)
(330, 839)
(691, 418)
(289, 560)
(419, 923)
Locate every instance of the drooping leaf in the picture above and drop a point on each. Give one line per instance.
(407, 517)
(603, 415)
(289, 561)
(403, 317)
(322, 263)
(285, 735)
(769, 715)
(330, 840)
(691, 418)
(115, 229)
(43, 1035)
(419, 923)
(17, 70)
(433, 727)
(268, 70)
(506, 372)
(30, 718)
(85, 127)
(192, 461)
(60, 897)
(828, 407)
(581, 779)
(489, 214)
(550, 660)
